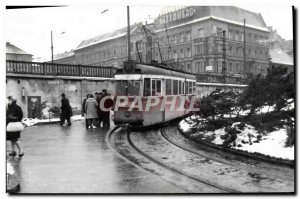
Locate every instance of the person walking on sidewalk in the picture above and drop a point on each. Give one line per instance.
(91, 111)
(66, 110)
(83, 112)
(14, 113)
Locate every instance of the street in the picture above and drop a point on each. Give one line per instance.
(77, 160)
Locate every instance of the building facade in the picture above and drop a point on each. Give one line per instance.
(195, 39)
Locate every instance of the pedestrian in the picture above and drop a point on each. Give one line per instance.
(14, 113)
(108, 103)
(83, 112)
(91, 111)
(99, 112)
(66, 110)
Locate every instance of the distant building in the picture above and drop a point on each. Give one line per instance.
(191, 38)
(16, 54)
(278, 56)
(67, 57)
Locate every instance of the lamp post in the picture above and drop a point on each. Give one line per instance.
(52, 45)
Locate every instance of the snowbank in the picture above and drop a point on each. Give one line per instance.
(31, 122)
(272, 144)
(248, 139)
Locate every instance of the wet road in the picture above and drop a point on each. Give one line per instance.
(166, 153)
(76, 160)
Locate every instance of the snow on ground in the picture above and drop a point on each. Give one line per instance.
(217, 133)
(265, 109)
(184, 126)
(272, 144)
(290, 106)
(31, 122)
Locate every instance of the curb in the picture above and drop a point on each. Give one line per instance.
(257, 156)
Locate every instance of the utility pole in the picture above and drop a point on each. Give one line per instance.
(224, 59)
(51, 47)
(244, 58)
(128, 34)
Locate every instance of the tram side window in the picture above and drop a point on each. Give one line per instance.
(179, 87)
(168, 87)
(186, 87)
(194, 87)
(127, 87)
(175, 87)
(190, 87)
(156, 87)
(147, 89)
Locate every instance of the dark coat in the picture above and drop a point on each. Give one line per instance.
(66, 110)
(14, 113)
(83, 106)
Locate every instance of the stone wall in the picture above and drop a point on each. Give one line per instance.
(49, 90)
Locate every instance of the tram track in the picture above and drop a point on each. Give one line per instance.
(121, 143)
(154, 151)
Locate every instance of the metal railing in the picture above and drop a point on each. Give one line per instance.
(37, 68)
(214, 78)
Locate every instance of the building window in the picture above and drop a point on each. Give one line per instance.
(230, 51)
(237, 68)
(189, 68)
(188, 52)
(255, 39)
(237, 36)
(230, 34)
(175, 54)
(200, 32)
(250, 38)
(230, 68)
(181, 53)
(188, 36)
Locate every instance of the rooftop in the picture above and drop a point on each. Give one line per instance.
(279, 56)
(107, 36)
(12, 49)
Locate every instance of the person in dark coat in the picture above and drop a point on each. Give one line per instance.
(83, 111)
(99, 111)
(14, 113)
(108, 103)
(66, 110)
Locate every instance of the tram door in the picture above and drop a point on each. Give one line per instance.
(34, 103)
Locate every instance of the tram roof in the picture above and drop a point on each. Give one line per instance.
(159, 70)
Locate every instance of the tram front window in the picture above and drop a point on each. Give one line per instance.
(128, 87)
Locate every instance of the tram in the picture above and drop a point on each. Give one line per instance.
(151, 94)
(154, 94)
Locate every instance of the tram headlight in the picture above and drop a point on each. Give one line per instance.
(127, 114)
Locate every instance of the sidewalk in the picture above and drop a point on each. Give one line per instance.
(77, 160)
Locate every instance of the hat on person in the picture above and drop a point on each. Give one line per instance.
(63, 95)
(11, 98)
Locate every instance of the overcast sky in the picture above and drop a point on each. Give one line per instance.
(30, 29)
